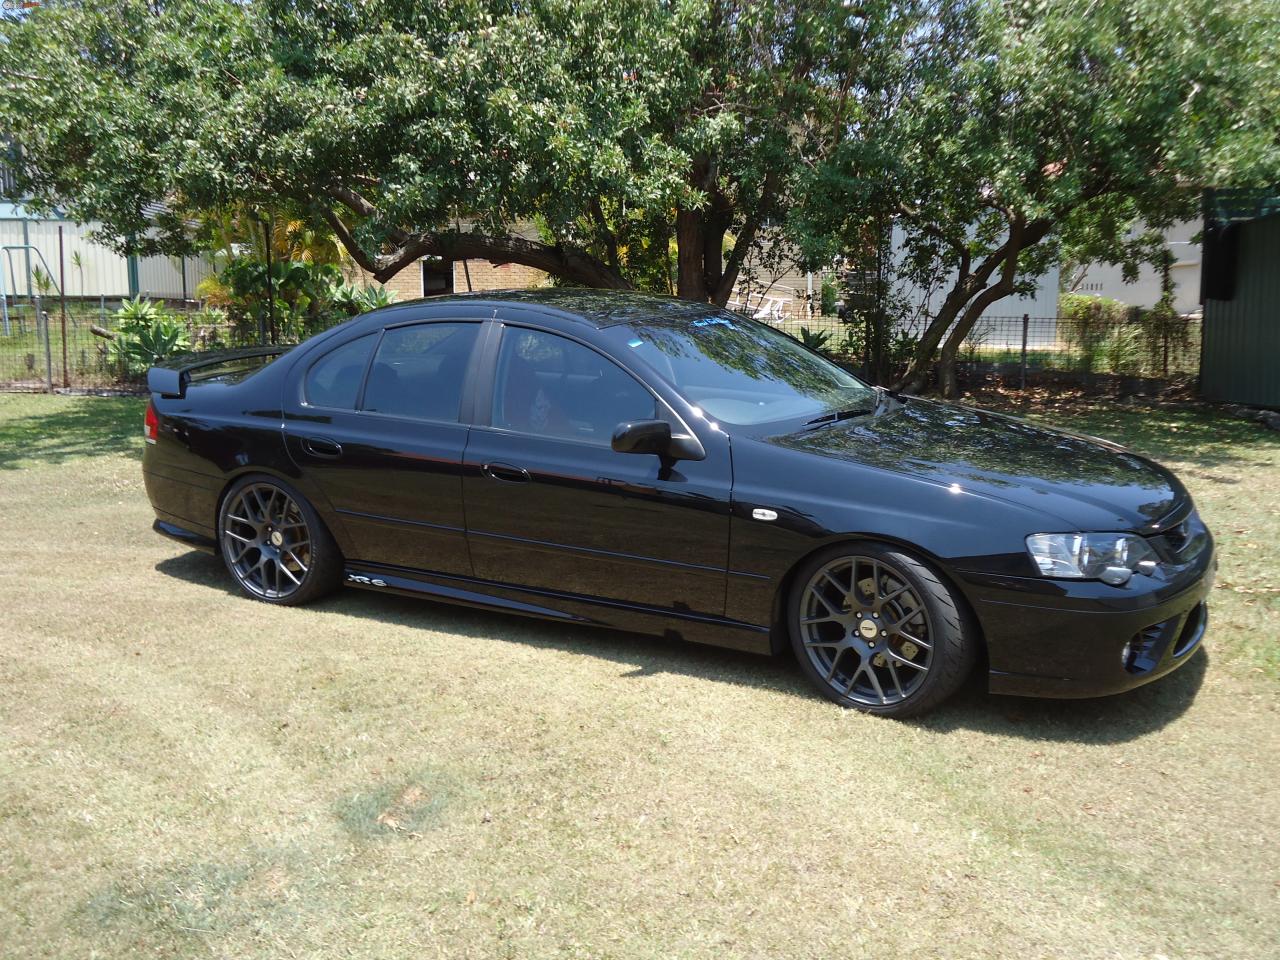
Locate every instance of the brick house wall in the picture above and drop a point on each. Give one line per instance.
(408, 283)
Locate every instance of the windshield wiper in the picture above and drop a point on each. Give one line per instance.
(882, 398)
(842, 415)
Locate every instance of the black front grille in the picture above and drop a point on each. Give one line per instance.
(1192, 630)
(1149, 646)
(1146, 646)
(1176, 538)
(1183, 542)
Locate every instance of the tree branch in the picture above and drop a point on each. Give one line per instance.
(562, 261)
(961, 249)
(406, 247)
(742, 243)
(348, 241)
(610, 241)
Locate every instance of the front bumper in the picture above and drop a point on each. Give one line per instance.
(1064, 639)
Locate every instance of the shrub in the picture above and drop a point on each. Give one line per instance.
(146, 334)
(351, 300)
(814, 339)
(830, 295)
(1121, 351)
(299, 295)
(1085, 322)
(137, 313)
(1165, 337)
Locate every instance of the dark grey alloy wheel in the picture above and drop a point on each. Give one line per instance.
(875, 628)
(275, 545)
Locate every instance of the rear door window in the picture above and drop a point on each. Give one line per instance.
(419, 370)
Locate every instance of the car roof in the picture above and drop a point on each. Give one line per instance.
(599, 308)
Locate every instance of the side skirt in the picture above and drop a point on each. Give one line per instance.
(561, 607)
(184, 536)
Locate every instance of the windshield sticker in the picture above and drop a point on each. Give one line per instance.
(635, 343)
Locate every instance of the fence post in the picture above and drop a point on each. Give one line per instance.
(1022, 366)
(62, 299)
(42, 323)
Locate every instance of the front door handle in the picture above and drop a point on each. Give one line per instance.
(505, 472)
(322, 447)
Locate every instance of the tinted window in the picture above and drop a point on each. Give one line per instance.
(418, 371)
(740, 371)
(334, 379)
(550, 386)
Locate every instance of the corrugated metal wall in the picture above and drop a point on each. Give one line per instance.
(164, 276)
(1241, 361)
(104, 272)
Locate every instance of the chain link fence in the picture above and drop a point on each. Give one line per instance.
(1021, 349)
(46, 345)
(86, 344)
(78, 346)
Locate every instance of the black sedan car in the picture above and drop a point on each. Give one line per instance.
(665, 467)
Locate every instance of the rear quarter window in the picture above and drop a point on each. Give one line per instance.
(334, 380)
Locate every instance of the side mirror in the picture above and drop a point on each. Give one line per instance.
(643, 436)
(654, 436)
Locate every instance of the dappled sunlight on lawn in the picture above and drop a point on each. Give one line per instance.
(187, 772)
(36, 429)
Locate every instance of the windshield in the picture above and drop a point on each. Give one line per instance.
(741, 372)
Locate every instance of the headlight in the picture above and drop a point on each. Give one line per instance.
(1109, 557)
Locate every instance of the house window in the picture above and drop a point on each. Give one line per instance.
(437, 276)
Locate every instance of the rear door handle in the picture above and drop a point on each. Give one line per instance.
(505, 472)
(322, 447)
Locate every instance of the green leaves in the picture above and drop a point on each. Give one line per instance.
(398, 124)
(145, 335)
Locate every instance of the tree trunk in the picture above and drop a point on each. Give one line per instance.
(948, 383)
(972, 294)
(690, 264)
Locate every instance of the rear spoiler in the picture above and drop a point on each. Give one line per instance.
(171, 380)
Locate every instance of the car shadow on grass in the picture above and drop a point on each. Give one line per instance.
(1105, 720)
(1097, 720)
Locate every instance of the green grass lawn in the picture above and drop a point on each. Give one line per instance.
(186, 773)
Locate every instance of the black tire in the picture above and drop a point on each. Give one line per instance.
(896, 648)
(275, 545)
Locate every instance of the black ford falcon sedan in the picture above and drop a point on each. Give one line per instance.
(666, 467)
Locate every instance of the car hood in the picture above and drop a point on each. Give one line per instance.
(1086, 483)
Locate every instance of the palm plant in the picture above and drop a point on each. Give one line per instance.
(814, 339)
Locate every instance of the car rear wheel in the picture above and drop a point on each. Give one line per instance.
(876, 629)
(275, 544)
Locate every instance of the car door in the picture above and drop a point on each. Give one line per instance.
(375, 425)
(551, 506)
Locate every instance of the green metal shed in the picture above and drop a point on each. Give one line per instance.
(1241, 354)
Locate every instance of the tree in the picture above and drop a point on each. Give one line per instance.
(1021, 128)
(620, 128)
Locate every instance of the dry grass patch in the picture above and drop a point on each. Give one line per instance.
(187, 773)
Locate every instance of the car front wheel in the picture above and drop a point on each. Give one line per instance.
(275, 544)
(875, 628)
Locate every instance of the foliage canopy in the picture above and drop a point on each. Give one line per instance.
(653, 143)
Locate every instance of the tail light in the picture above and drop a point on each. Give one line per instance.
(151, 424)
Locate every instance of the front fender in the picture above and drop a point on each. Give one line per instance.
(954, 528)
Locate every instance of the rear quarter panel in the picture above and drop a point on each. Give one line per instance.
(214, 434)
